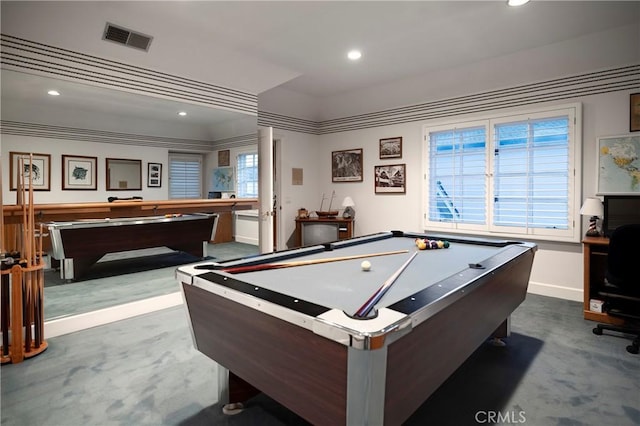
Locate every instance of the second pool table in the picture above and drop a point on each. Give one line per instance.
(291, 333)
(79, 244)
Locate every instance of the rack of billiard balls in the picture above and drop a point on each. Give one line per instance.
(427, 244)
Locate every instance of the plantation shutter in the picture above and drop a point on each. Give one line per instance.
(531, 169)
(457, 176)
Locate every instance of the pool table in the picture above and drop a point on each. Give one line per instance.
(291, 331)
(79, 244)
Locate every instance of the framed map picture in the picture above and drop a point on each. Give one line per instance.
(223, 179)
(618, 165)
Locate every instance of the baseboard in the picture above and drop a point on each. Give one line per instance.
(246, 240)
(556, 291)
(71, 324)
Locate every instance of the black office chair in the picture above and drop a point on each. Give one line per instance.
(621, 289)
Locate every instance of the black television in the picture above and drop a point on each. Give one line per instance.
(319, 232)
(620, 210)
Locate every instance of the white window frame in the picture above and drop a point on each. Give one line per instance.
(246, 152)
(572, 234)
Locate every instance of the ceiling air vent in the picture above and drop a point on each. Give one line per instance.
(126, 37)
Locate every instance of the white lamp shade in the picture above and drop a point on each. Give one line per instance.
(348, 202)
(592, 207)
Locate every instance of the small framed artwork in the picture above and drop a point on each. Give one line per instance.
(79, 172)
(36, 168)
(390, 179)
(346, 166)
(223, 158)
(223, 179)
(391, 148)
(618, 165)
(634, 112)
(154, 175)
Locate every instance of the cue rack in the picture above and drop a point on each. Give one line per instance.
(22, 277)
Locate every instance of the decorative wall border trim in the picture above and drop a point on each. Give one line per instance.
(50, 61)
(87, 135)
(593, 83)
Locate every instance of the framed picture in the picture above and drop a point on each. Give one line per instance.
(618, 165)
(223, 158)
(390, 179)
(346, 166)
(223, 179)
(391, 148)
(634, 112)
(36, 168)
(154, 175)
(79, 172)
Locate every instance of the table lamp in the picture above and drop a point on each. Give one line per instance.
(592, 207)
(349, 212)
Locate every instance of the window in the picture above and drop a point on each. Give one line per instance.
(248, 175)
(185, 176)
(506, 175)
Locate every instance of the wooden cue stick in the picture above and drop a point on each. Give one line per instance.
(375, 298)
(20, 200)
(265, 266)
(31, 225)
(2, 245)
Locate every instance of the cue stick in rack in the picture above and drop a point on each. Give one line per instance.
(279, 265)
(375, 298)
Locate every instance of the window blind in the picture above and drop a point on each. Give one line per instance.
(185, 176)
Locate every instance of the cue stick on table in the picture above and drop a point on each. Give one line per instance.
(265, 266)
(375, 298)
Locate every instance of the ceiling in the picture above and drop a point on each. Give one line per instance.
(301, 45)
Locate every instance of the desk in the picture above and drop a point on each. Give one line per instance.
(595, 252)
(288, 331)
(80, 244)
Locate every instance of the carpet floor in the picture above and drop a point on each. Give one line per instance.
(145, 371)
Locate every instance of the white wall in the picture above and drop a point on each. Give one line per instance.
(558, 267)
(300, 151)
(57, 147)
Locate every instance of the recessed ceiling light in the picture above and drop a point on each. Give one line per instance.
(354, 55)
(53, 93)
(517, 2)
(182, 113)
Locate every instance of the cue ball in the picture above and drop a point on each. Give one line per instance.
(365, 265)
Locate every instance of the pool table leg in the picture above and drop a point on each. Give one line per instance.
(233, 391)
(503, 330)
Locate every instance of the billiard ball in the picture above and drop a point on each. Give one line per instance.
(365, 265)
